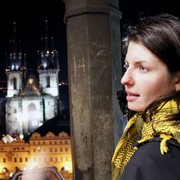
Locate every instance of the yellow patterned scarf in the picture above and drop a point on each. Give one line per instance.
(139, 131)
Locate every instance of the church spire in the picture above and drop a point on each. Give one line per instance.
(48, 54)
(15, 55)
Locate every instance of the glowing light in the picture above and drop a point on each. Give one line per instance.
(1, 168)
(30, 80)
(30, 166)
(11, 174)
(68, 166)
(21, 136)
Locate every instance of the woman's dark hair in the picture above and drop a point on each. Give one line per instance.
(161, 35)
(154, 106)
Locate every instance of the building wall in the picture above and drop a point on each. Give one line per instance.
(24, 114)
(14, 83)
(49, 86)
(41, 151)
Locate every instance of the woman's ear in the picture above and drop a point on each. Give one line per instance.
(177, 83)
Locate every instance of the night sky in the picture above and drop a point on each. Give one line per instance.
(131, 10)
(30, 18)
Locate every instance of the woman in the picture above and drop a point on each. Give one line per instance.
(149, 148)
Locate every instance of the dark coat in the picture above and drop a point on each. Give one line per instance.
(148, 163)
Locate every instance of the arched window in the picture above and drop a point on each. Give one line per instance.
(47, 81)
(14, 83)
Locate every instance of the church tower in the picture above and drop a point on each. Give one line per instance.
(15, 67)
(32, 96)
(48, 67)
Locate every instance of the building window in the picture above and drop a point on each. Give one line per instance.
(61, 159)
(39, 149)
(48, 81)
(66, 158)
(14, 83)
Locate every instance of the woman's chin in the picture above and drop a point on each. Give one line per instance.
(135, 108)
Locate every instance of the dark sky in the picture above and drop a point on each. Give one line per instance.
(30, 16)
(132, 9)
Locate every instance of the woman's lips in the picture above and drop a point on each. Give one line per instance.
(131, 96)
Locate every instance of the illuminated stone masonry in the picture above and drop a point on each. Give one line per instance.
(32, 94)
(41, 151)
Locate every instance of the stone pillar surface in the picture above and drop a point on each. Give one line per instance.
(93, 83)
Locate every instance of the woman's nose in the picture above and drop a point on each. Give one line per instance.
(127, 78)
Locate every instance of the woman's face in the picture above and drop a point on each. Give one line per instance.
(146, 78)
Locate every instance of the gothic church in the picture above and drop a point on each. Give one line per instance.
(32, 97)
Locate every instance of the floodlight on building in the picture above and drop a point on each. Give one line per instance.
(21, 136)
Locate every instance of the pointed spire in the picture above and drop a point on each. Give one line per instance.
(14, 48)
(38, 60)
(52, 43)
(14, 23)
(6, 61)
(46, 28)
(46, 35)
(15, 60)
(25, 63)
(48, 56)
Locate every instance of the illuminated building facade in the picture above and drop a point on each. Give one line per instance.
(32, 96)
(41, 151)
(31, 104)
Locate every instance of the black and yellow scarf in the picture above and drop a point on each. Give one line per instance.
(139, 131)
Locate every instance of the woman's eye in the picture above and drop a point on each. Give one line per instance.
(143, 68)
(126, 66)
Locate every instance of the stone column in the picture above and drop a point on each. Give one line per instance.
(94, 70)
